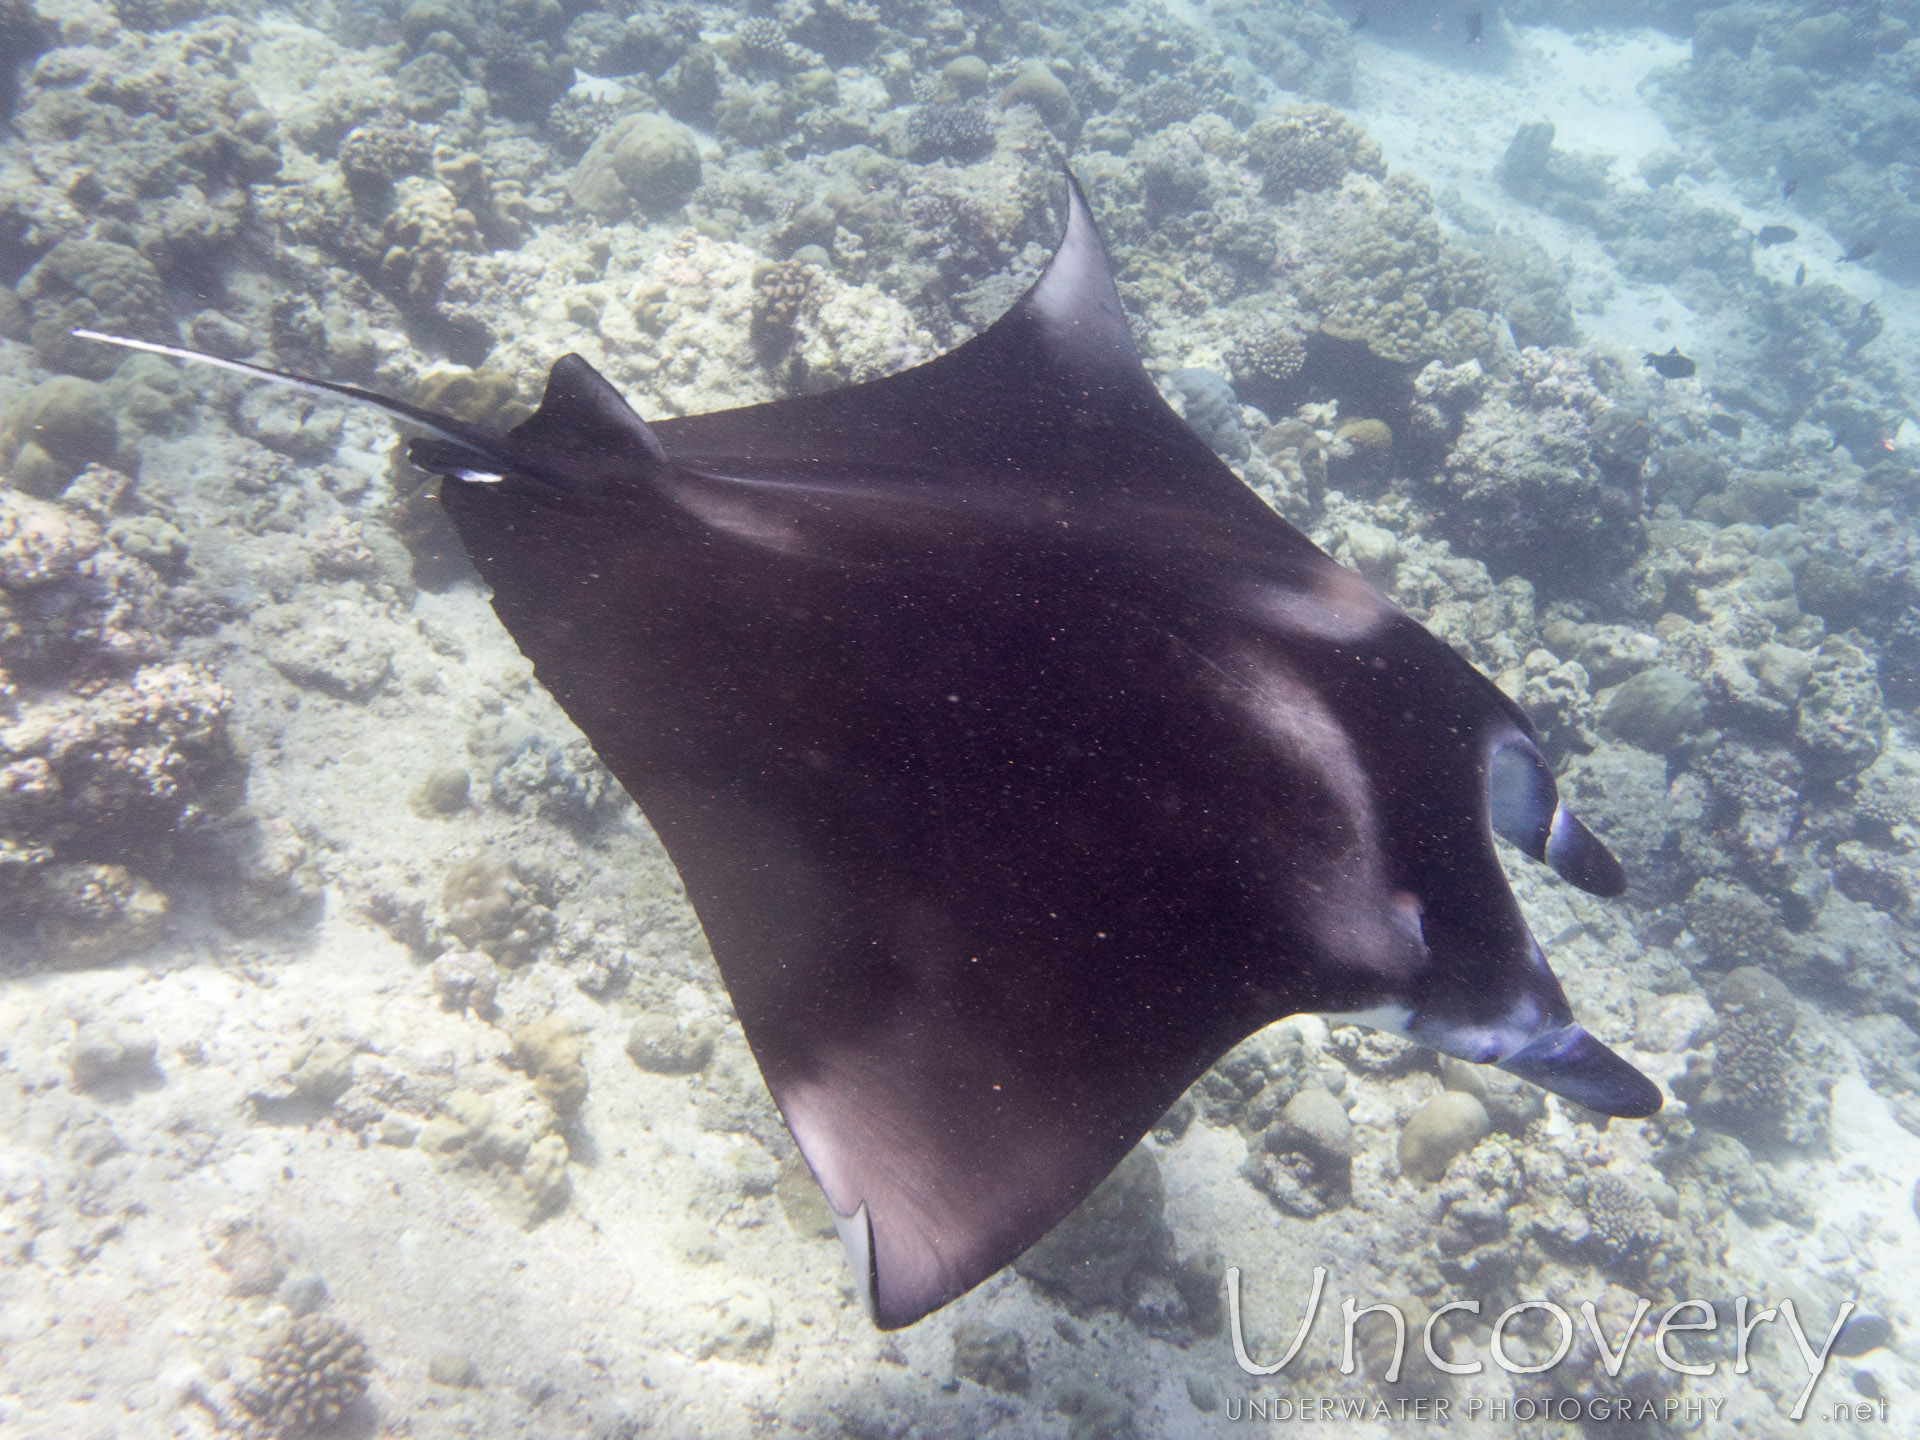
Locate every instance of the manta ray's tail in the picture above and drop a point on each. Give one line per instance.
(474, 452)
(582, 436)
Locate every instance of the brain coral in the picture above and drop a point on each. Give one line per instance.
(647, 160)
(99, 285)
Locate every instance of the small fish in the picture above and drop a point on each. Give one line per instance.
(1672, 365)
(1727, 425)
(1771, 235)
(1476, 27)
(1859, 250)
(1868, 1384)
(1863, 1331)
(1866, 328)
(1786, 190)
(1800, 275)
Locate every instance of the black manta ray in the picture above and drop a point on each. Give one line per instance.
(1018, 760)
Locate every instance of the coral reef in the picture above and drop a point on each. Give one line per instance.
(1625, 1223)
(646, 161)
(310, 1378)
(1447, 1126)
(493, 908)
(1525, 486)
(1310, 147)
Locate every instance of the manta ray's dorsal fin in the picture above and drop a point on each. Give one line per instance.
(583, 416)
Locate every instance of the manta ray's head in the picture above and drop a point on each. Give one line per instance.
(1488, 994)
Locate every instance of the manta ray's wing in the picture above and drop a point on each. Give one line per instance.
(959, 701)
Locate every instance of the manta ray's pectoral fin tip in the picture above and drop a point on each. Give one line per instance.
(1581, 858)
(1574, 1065)
(856, 1238)
(1075, 296)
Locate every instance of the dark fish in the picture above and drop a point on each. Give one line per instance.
(1865, 329)
(1800, 273)
(1868, 1384)
(1018, 760)
(1727, 425)
(1859, 250)
(1476, 27)
(1864, 1331)
(1672, 365)
(1771, 235)
(1786, 190)
(1358, 23)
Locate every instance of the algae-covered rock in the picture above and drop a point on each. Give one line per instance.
(1656, 710)
(646, 161)
(248, 1256)
(426, 227)
(93, 285)
(103, 1054)
(665, 1046)
(1101, 1253)
(1444, 1128)
(55, 430)
(93, 914)
(737, 1324)
(992, 1356)
(551, 1054)
(40, 543)
(268, 876)
(288, 421)
(1305, 1159)
(1316, 1121)
(1094, 1411)
(325, 648)
(465, 980)
(324, 1073)
(491, 906)
(1842, 722)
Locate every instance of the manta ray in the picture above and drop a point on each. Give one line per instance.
(1018, 760)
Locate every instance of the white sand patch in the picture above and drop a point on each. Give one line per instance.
(1451, 126)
